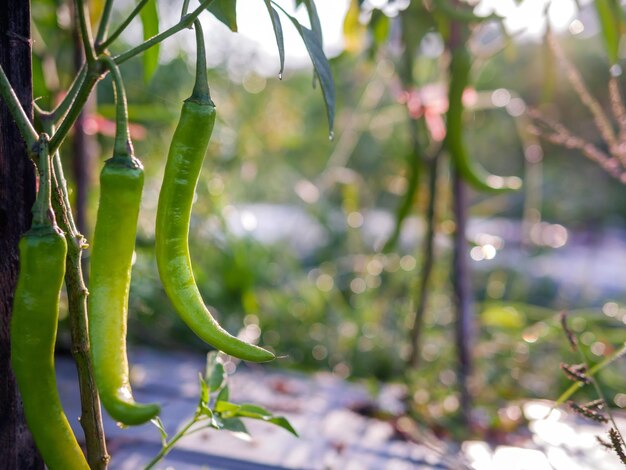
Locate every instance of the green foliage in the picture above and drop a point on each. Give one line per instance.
(150, 22)
(216, 412)
(226, 12)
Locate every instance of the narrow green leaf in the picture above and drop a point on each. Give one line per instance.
(206, 411)
(150, 22)
(380, 25)
(283, 423)
(278, 32)
(224, 394)
(608, 17)
(226, 12)
(217, 378)
(217, 422)
(321, 66)
(322, 69)
(226, 407)
(316, 25)
(215, 375)
(237, 427)
(255, 410)
(204, 390)
(353, 30)
(159, 425)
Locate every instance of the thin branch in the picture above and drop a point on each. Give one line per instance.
(85, 31)
(103, 27)
(93, 74)
(558, 134)
(599, 118)
(63, 107)
(101, 46)
(619, 112)
(184, 23)
(28, 132)
(428, 261)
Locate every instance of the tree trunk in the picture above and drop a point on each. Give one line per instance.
(17, 194)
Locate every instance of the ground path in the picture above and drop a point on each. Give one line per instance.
(333, 436)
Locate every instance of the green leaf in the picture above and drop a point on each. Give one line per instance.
(353, 30)
(232, 411)
(217, 378)
(150, 22)
(206, 411)
(226, 407)
(237, 427)
(380, 26)
(223, 395)
(159, 425)
(316, 25)
(283, 423)
(322, 69)
(254, 410)
(321, 66)
(215, 374)
(226, 12)
(204, 390)
(278, 32)
(609, 18)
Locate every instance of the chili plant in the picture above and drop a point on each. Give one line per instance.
(49, 252)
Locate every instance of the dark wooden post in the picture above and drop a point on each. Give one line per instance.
(17, 194)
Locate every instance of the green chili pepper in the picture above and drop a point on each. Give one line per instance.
(33, 331)
(473, 174)
(121, 183)
(184, 161)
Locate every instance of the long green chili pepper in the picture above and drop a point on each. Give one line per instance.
(121, 183)
(472, 173)
(184, 161)
(34, 327)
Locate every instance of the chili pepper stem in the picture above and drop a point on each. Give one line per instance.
(123, 145)
(201, 93)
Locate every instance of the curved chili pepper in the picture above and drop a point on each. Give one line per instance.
(121, 183)
(184, 161)
(472, 173)
(33, 332)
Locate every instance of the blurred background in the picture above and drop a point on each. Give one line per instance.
(288, 226)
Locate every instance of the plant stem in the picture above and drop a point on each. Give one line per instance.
(184, 9)
(123, 144)
(428, 261)
(85, 31)
(91, 415)
(101, 45)
(168, 446)
(82, 95)
(595, 369)
(201, 92)
(596, 385)
(103, 27)
(464, 325)
(184, 23)
(63, 107)
(42, 203)
(28, 132)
